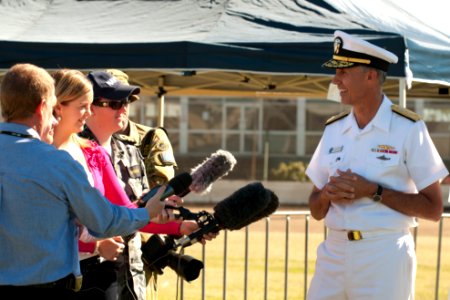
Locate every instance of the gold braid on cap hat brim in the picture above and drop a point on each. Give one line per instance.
(352, 59)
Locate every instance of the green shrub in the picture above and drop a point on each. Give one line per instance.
(292, 171)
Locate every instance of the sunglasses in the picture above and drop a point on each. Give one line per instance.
(115, 105)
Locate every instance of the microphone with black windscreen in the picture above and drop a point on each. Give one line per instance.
(214, 167)
(175, 186)
(245, 206)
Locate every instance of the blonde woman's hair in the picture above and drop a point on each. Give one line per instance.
(23, 88)
(71, 85)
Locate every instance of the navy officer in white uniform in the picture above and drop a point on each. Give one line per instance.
(375, 171)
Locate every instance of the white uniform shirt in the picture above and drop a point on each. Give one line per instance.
(391, 150)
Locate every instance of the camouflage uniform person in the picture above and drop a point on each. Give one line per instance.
(130, 169)
(157, 166)
(154, 144)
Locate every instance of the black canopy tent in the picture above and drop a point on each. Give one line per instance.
(228, 47)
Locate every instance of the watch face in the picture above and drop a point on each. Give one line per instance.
(377, 196)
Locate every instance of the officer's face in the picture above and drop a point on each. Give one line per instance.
(352, 84)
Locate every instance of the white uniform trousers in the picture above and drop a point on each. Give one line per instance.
(382, 265)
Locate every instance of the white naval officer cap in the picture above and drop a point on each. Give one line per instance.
(350, 51)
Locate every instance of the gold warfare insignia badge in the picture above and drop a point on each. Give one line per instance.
(337, 45)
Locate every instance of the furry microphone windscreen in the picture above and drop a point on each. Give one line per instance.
(214, 167)
(244, 206)
(271, 207)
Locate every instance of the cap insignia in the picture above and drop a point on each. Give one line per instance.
(337, 45)
(111, 81)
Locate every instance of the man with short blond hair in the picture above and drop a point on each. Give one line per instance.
(44, 191)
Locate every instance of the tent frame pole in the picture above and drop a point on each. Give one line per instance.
(402, 92)
(161, 101)
(161, 111)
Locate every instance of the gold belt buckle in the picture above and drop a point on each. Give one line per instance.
(354, 235)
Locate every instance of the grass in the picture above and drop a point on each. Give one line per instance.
(274, 287)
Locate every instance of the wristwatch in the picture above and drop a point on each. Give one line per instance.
(377, 196)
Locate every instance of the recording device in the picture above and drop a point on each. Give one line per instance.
(175, 186)
(158, 253)
(211, 169)
(245, 206)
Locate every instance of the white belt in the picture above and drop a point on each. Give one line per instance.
(356, 235)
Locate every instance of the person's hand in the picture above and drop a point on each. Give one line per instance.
(111, 248)
(167, 214)
(209, 236)
(155, 206)
(347, 187)
(187, 227)
(361, 186)
(175, 200)
(340, 188)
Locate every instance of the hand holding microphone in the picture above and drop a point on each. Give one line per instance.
(154, 205)
(245, 206)
(155, 202)
(176, 186)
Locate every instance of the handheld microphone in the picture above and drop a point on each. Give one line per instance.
(175, 186)
(245, 206)
(212, 168)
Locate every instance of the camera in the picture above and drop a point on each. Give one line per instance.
(158, 253)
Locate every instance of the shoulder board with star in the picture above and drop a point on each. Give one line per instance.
(336, 118)
(410, 115)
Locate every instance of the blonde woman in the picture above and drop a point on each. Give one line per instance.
(74, 98)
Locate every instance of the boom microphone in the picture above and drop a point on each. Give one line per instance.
(245, 206)
(212, 168)
(175, 186)
(270, 208)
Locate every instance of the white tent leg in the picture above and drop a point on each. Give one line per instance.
(161, 102)
(161, 111)
(402, 92)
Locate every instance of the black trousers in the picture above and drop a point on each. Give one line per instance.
(59, 289)
(104, 281)
(26, 292)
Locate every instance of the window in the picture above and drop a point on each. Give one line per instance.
(317, 113)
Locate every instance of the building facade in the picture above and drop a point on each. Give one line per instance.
(264, 134)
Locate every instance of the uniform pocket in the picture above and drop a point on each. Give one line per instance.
(336, 161)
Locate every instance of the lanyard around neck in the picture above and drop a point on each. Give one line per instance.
(17, 134)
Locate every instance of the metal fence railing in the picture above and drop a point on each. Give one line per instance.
(284, 244)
